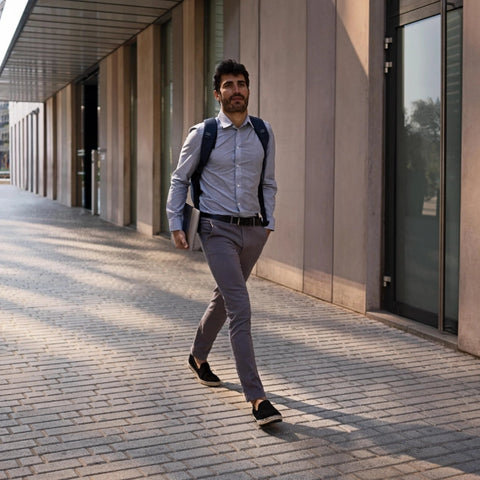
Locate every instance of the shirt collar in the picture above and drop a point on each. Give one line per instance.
(225, 122)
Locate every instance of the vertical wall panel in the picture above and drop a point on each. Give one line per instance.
(66, 155)
(114, 138)
(282, 103)
(34, 150)
(50, 148)
(23, 154)
(250, 48)
(320, 148)
(148, 131)
(42, 167)
(124, 134)
(193, 58)
(469, 325)
(231, 33)
(59, 146)
(102, 136)
(178, 106)
(28, 153)
(351, 154)
(13, 153)
(375, 161)
(112, 131)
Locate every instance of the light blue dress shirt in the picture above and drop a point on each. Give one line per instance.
(229, 181)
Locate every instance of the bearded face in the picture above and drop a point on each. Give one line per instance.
(233, 94)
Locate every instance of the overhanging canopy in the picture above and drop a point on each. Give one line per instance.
(58, 40)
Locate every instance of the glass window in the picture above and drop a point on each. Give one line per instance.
(418, 165)
(453, 136)
(213, 51)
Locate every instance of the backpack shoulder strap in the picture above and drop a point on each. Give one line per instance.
(208, 142)
(262, 133)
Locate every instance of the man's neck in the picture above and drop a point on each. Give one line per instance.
(237, 118)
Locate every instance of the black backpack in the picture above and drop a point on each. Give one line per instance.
(208, 142)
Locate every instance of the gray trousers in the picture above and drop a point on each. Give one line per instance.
(231, 252)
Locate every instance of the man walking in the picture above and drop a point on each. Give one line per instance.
(231, 230)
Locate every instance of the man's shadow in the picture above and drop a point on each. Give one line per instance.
(446, 447)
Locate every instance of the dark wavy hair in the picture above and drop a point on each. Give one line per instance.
(229, 67)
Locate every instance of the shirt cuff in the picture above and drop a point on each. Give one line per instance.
(176, 224)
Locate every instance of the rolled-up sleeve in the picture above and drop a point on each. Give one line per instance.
(180, 181)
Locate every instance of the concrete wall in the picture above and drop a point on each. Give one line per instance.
(27, 146)
(314, 65)
(469, 319)
(320, 246)
(317, 75)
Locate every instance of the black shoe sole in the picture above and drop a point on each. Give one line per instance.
(203, 382)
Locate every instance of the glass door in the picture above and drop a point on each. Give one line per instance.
(87, 137)
(423, 165)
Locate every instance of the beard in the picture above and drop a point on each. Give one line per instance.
(234, 104)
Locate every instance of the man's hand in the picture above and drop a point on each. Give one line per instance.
(179, 239)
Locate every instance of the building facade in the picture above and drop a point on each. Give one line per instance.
(4, 137)
(373, 104)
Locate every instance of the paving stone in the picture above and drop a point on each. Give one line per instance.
(96, 322)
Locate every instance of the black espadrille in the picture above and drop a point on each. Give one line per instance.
(203, 373)
(266, 414)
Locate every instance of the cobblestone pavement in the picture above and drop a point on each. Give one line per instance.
(95, 326)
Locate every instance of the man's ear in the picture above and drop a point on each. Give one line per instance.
(216, 95)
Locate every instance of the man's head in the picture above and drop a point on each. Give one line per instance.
(229, 67)
(230, 84)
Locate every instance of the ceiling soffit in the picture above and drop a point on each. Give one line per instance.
(62, 39)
